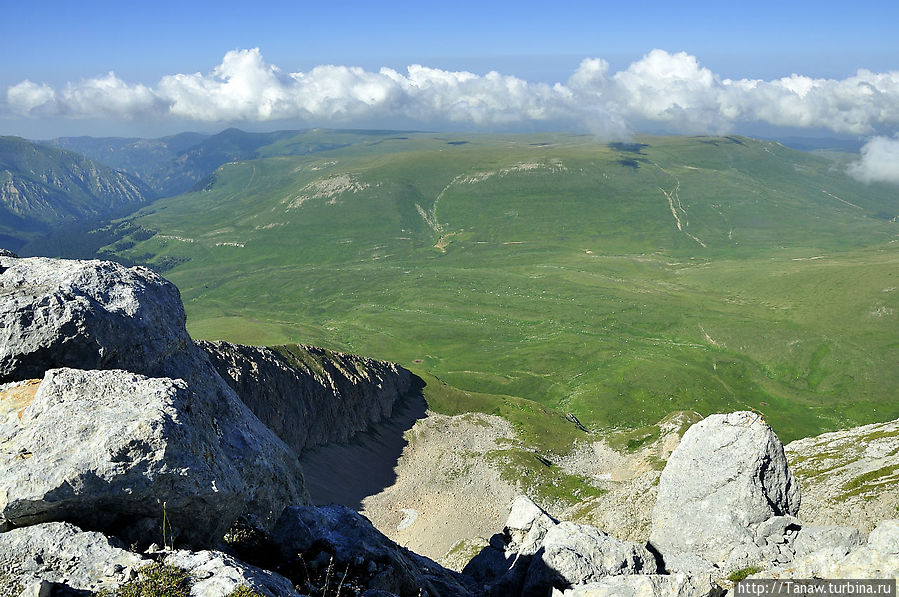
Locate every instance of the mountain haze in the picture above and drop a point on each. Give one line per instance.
(172, 165)
(44, 187)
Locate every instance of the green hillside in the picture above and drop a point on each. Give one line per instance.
(42, 187)
(617, 282)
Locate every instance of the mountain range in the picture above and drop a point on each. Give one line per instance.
(616, 282)
(43, 187)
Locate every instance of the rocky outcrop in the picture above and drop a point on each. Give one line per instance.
(60, 553)
(216, 574)
(576, 554)
(849, 476)
(151, 444)
(649, 585)
(353, 541)
(536, 554)
(136, 456)
(310, 396)
(106, 448)
(838, 552)
(726, 493)
(90, 315)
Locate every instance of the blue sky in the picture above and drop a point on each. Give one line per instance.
(65, 50)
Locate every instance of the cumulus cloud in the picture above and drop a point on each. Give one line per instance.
(879, 161)
(673, 90)
(30, 99)
(102, 97)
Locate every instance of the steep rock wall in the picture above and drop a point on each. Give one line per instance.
(310, 396)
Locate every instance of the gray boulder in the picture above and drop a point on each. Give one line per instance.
(504, 562)
(57, 553)
(727, 477)
(885, 537)
(839, 539)
(116, 451)
(575, 554)
(89, 315)
(835, 557)
(649, 585)
(351, 539)
(215, 574)
(526, 526)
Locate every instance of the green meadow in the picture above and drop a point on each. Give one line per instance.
(554, 273)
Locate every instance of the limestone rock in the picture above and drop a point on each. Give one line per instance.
(505, 561)
(649, 585)
(89, 315)
(351, 539)
(689, 563)
(848, 477)
(576, 554)
(216, 574)
(60, 553)
(310, 396)
(115, 451)
(728, 476)
(526, 526)
(885, 537)
(839, 539)
(879, 558)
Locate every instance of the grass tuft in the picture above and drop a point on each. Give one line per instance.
(743, 573)
(155, 580)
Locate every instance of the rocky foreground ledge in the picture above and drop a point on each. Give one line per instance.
(119, 434)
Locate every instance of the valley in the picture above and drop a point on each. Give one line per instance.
(541, 275)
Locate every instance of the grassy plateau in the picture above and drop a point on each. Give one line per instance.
(618, 282)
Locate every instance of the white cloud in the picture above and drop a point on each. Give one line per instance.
(672, 90)
(29, 99)
(102, 97)
(879, 161)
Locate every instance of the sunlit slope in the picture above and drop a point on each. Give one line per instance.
(616, 282)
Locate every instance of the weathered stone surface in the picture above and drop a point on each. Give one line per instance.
(89, 315)
(216, 574)
(839, 539)
(526, 526)
(575, 554)
(114, 451)
(61, 553)
(650, 585)
(885, 537)
(310, 396)
(505, 561)
(848, 477)
(689, 563)
(879, 558)
(727, 476)
(351, 539)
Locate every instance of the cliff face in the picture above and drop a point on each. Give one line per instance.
(310, 396)
(128, 414)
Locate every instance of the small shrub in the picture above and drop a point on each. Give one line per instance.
(742, 573)
(157, 580)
